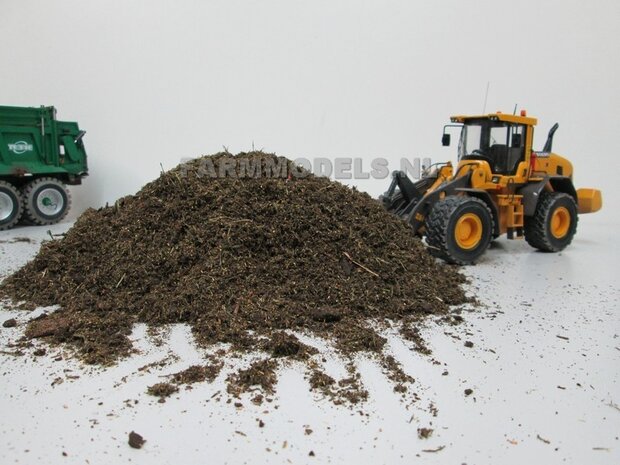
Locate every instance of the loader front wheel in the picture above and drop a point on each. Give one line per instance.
(11, 206)
(554, 223)
(46, 201)
(459, 229)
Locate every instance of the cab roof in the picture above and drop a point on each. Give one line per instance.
(499, 116)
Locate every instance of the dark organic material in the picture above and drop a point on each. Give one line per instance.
(135, 440)
(245, 261)
(10, 323)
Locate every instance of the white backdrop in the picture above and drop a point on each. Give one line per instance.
(155, 81)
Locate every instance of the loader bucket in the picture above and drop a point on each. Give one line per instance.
(403, 194)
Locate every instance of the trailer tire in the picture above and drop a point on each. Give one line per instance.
(459, 229)
(11, 206)
(554, 223)
(46, 201)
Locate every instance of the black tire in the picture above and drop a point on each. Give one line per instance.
(11, 205)
(46, 201)
(550, 230)
(454, 214)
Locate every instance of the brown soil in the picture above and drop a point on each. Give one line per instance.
(348, 390)
(198, 374)
(135, 440)
(243, 261)
(260, 374)
(425, 433)
(162, 390)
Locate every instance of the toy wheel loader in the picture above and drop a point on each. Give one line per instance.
(500, 186)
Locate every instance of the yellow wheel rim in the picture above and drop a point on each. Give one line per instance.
(468, 231)
(560, 222)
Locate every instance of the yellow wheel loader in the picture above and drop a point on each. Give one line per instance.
(500, 186)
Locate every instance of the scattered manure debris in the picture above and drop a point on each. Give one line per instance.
(135, 440)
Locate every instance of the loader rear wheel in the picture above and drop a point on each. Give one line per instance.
(46, 201)
(554, 223)
(459, 229)
(11, 206)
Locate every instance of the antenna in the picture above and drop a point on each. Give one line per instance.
(514, 112)
(486, 96)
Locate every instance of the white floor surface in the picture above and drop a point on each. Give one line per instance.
(544, 370)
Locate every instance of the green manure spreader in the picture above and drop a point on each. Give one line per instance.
(39, 157)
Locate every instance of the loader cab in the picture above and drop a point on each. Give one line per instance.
(499, 143)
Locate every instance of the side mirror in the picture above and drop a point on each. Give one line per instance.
(516, 140)
(445, 140)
